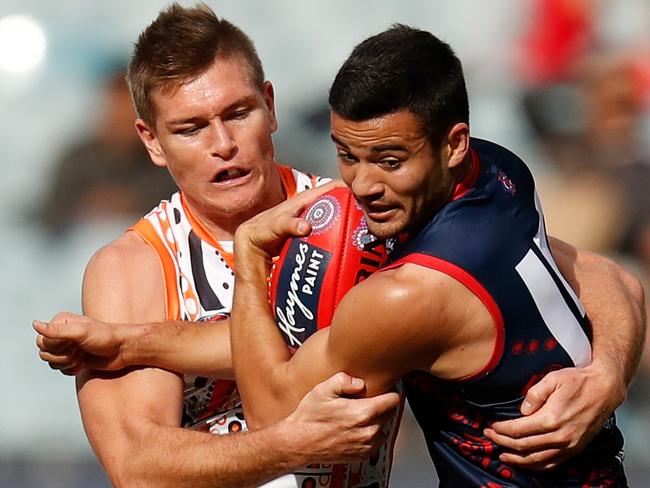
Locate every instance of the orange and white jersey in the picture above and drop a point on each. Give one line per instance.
(199, 281)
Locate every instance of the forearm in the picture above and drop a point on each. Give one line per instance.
(133, 429)
(613, 299)
(171, 457)
(201, 349)
(259, 350)
(619, 324)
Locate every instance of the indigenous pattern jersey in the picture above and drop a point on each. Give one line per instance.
(491, 238)
(199, 281)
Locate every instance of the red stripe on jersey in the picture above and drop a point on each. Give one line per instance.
(472, 285)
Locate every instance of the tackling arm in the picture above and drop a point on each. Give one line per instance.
(71, 342)
(614, 300)
(132, 417)
(567, 408)
(362, 340)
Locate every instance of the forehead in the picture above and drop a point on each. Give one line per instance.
(214, 89)
(401, 128)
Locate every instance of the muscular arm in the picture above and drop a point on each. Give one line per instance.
(568, 407)
(363, 339)
(378, 354)
(614, 302)
(71, 342)
(132, 417)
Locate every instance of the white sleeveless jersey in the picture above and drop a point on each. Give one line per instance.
(199, 281)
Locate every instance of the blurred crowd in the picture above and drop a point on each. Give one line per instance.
(587, 105)
(106, 175)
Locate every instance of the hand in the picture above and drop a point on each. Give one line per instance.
(335, 429)
(562, 413)
(265, 233)
(71, 342)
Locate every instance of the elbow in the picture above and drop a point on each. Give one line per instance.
(254, 421)
(129, 465)
(118, 470)
(635, 293)
(260, 418)
(271, 405)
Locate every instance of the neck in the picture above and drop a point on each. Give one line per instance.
(460, 172)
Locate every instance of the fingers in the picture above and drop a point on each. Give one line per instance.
(340, 384)
(538, 423)
(46, 332)
(538, 394)
(529, 443)
(539, 460)
(381, 405)
(295, 204)
(76, 330)
(51, 345)
(69, 362)
(304, 198)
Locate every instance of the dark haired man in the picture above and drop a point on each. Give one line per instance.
(211, 127)
(470, 310)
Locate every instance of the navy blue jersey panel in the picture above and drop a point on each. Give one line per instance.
(495, 233)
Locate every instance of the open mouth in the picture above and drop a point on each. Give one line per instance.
(376, 212)
(229, 175)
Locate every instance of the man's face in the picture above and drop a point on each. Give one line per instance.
(391, 168)
(213, 133)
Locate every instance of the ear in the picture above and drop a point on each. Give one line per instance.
(269, 101)
(150, 141)
(457, 144)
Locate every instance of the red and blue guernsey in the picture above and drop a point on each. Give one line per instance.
(490, 236)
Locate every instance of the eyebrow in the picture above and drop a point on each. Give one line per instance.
(192, 120)
(374, 149)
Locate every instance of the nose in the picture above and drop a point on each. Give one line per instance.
(223, 145)
(366, 184)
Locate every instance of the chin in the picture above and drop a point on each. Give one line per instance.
(384, 230)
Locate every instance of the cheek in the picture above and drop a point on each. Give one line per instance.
(346, 173)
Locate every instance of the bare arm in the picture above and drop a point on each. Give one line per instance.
(614, 300)
(71, 342)
(568, 407)
(132, 417)
(260, 351)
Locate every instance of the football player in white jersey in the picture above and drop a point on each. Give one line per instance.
(205, 113)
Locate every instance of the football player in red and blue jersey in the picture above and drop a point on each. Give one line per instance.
(475, 305)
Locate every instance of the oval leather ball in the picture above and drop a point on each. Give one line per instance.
(313, 273)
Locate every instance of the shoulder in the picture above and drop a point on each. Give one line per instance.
(410, 308)
(124, 276)
(128, 252)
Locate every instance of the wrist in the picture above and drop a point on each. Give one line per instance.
(128, 339)
(608, 372)
(288, 439)
(252, 266)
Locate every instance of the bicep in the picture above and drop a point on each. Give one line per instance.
(592, 276)
(124, 284)
(116, 408)
(368, 339)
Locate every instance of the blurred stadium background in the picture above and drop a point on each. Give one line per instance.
(565, 83)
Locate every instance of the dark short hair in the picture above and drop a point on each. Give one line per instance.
(403, 68)
(178, 46)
